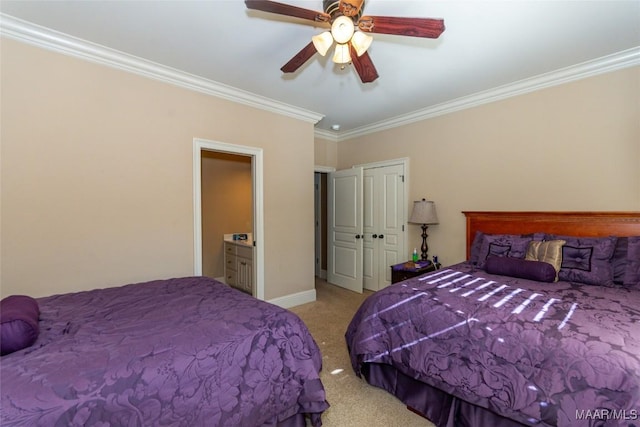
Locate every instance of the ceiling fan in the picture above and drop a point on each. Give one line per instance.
(349, 31)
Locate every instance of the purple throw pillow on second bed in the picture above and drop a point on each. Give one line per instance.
(520, 268)
(18, 323)
(632, 272)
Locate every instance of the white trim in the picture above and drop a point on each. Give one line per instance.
(258, 204)
(49, 39)
(403, 161)
(324, 169)
(293, 300)
(327, 134)
(617, 61)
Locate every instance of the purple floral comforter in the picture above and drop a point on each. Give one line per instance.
(550, 354)
(177, 352)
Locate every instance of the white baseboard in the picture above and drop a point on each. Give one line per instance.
(293, 300)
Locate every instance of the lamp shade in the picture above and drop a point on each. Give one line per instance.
(342, 55)
(361, 42)
(424, 212)
(322, 42)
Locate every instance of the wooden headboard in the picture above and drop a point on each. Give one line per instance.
(590, 224)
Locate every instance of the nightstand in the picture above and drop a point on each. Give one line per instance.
(409, 269)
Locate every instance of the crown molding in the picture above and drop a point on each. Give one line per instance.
(327, 134)
(46, 38)
(606, 64)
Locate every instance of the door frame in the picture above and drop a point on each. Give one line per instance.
(256, 155)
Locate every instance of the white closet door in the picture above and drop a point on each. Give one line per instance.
(345, 229)
(383, 216)
(391, 208)
(370, 220)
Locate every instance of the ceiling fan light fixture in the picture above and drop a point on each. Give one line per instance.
(361, 42)
(342, 55)
(342, 29)
(322, 42)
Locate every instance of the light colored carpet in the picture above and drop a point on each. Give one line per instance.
(353, 401)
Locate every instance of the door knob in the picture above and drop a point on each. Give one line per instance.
(381, 236)
(357, 236)
(375, 236)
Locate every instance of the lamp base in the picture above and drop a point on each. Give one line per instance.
(424, 248)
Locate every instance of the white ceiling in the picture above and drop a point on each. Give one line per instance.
(488, 47)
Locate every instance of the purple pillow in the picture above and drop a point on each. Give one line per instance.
(632, 272)
(520, 268)
(503, 245)
(619, 260)
(587, 260)
(476, 245)
(18, 323)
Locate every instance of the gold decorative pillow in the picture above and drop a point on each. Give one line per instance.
(549, 251)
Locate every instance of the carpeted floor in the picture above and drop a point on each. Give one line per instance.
(353, 401)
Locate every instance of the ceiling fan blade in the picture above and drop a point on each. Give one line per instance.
(363, 65)
(299, 58)
(414, 27)
(350, 7)
(287, 9)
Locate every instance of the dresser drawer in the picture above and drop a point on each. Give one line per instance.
(230, 262)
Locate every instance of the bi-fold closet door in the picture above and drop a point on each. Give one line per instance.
(366, 225)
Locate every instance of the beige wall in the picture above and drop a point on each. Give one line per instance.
(96, 169)
(227, 205)
(97, 177)
(326, 153)
(569, 147)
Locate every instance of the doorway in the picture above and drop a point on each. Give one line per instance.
(320, 224)
(201, 146)
(321, 219)
(227, 206)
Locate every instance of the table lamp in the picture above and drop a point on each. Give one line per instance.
(424, 213)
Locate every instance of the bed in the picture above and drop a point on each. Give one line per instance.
(177, 352)
(508, 338)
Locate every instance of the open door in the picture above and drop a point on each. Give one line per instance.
(345, 229)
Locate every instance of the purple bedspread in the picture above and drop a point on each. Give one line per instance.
(177, 352)
(547, 354)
